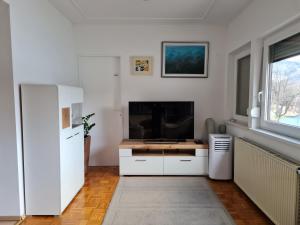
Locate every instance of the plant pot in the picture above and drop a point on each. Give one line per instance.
(87, 149)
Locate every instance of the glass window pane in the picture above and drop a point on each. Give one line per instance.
(284, 99)
(243, 79)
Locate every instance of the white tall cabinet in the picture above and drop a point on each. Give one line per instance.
(53, 142)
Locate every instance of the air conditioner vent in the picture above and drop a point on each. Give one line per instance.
(222, 145)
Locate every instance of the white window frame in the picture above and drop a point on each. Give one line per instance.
(237, 57)
(284, 129)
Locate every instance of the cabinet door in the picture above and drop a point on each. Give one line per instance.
(78, 161)
(72, 168)
(139, 165)
(66, 172)
(185, 165)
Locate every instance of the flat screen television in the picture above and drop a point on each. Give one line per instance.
(161, 120)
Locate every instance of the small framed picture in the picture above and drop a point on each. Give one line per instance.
(141, 65)
(185, 59)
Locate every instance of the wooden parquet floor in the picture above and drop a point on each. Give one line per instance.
(91, 203)
(240, 207)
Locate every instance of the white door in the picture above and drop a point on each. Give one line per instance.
(100, 81)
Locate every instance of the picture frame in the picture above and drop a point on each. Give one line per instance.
(141, 65)
(184, 59)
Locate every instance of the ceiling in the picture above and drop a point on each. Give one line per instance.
(106, 11)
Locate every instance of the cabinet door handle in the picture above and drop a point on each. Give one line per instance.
(186, 160)
(140, 160)
(69, 137)
(76, 134)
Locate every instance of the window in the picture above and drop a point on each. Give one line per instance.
(281, 105)
(242, 80)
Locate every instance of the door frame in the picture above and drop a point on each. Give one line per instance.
(79, 56)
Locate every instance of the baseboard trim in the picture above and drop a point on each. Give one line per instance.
(21, 221)
(12, 218)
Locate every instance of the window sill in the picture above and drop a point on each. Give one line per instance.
(277, 137)
(268, 134)
(238, 124)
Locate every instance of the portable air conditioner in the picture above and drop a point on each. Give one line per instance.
(220, 157)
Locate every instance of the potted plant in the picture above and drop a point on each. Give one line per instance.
(87, 139)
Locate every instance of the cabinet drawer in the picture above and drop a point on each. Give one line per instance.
(202, 152)
(125, 152)
(141, 165)
(187, 165)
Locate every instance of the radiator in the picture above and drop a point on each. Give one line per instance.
(269, 180)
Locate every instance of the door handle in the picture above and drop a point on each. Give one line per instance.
(69, 137)
(140, 160)
(186, 160)
(76, 134)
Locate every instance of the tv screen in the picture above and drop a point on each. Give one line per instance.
(161, 120)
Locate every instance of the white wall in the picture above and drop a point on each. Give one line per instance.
(9, 203)
(42, 52)
(130, 40)
(258, 19)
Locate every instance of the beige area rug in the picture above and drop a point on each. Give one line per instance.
(165, 201)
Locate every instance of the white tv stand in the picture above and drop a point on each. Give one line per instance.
(182, 158)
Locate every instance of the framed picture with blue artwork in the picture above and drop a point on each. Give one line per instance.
(185, 59)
